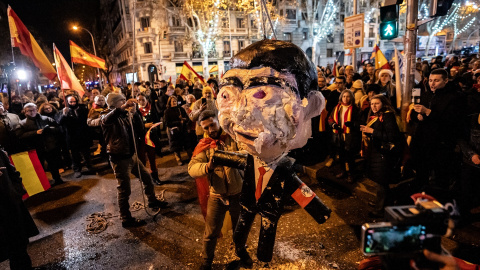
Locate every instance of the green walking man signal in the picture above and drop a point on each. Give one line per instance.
(388, 22)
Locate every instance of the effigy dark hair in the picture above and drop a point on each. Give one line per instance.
(282, 56)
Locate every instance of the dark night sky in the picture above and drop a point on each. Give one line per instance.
(51, 21)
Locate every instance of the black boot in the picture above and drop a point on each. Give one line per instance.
(155, 178)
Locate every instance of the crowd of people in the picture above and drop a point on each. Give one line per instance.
(439, 144)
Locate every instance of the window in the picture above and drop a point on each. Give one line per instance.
(226, 46)
(370, 43)
(342, 17)
(291, 14)
(241, 44)
(240, 23)
(287, 37)
(281, 12)
(304, 35)
(176, 21)
(342, 36)
(178, 46)
(225, 23)
(147, 47)
(145, 22)
(226, 65)
(304, 16)
(253, 24)
(371, 34)
(329, 52)
(330, 38)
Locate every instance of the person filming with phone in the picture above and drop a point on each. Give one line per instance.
(205, 103)
(439, 121)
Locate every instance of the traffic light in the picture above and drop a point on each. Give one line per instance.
(389, 22)
(440, 7)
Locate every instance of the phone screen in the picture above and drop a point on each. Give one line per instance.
(204, 101)
(392, 239)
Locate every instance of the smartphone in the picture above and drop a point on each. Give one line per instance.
(385, 238)
(204, 101)
(416, 95)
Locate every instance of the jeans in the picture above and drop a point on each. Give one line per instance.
(216, 209)
(122, 169)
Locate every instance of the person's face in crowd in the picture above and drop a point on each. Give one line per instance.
(453, 72)
(173, 102)
(142, 101)
(156, 86)
(321, 82)
(162, 84)
(170, 91)
(190, 99)
(95, 92)
(72, 101)
(2, 110)
(346, 99)
(349, 78)
(370, 70)
(136, 91)
(208, 94)
(348, 72)
(178, 91)
(100, 101)
(385, 78)
(47, 109)
(31, 111)
(376, 105)
(340, 84)
(436, 81)
(120, 102)
(476, 65)
(211, 127)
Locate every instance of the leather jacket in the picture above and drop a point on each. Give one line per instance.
(117, 133)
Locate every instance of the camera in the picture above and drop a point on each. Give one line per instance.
(408, 231)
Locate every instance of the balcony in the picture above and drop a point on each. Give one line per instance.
(147, 31)
(227, 54)
(148, 57)
(180, 55)
(177, 29)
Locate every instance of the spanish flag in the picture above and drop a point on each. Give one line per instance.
(33, 176)
(29, 47)
(213, 69)
(80, 56)
(380, 60)
(148, 140)
(67, 78)
(188, 74)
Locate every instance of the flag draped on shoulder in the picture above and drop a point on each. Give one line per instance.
(34, 179)
(380, 60)
(67, 78)
(23, 39)
(80, 56)
(189, 74)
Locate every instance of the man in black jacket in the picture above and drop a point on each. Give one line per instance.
(42, 134)
(440, 125)
(117, 129)
(9, 122)
(74, 120)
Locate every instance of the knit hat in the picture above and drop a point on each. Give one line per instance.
(357, 84)
(113, 98)
(388, 71)
(349, 67)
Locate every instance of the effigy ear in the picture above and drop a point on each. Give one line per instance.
(313, 104)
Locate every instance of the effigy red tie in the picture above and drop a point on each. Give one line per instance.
(258, 191)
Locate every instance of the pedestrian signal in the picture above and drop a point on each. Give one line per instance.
(388, 22)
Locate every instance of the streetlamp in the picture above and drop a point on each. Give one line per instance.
(75, 27)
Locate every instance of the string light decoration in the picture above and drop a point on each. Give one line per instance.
(368, 15)
(326, 24)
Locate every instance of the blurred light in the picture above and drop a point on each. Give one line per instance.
(75, 27)
(21, 74)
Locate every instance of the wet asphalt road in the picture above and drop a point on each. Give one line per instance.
(174, 239)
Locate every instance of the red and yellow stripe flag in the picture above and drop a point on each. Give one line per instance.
(33, 176)
(67, 78)
(80, 56)
(29, 47)
(148, 140)
(380, 60)
(188, 74)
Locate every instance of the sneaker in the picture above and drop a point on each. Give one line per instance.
(133, 223)
(157, 204)
(155, 179)
(77, 174)
(245, 258)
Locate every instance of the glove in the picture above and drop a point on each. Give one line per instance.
(349, 124)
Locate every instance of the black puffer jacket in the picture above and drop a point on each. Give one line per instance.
(380, 160)
(45, 142)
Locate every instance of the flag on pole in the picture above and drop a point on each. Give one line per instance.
(398, 84)
(380, 60)
(67, 78)
(189, 74)
(23, 39)
(221, 76)
(335, 72)
(80, 56)
(169, 80)
(34, 179)
(213, 69)
(148, 140)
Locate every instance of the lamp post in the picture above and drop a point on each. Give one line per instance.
(94, 52)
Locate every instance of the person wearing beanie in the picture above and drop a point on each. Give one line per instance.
(387, 86)
(117, 124)
(358, 91)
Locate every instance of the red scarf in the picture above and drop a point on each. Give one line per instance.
(145, 110)
(96, 106)
(207, 143)
(347, 117)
